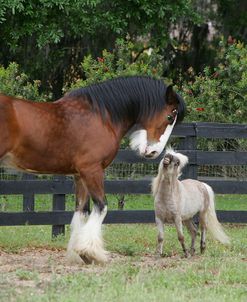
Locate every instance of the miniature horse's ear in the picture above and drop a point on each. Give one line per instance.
(171, 97)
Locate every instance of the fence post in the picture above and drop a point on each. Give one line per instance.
(58, 204)
(189, 143)
(28, 198)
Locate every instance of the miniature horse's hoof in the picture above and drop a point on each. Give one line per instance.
(187, 254)
(192, 252)
(203, 249)
(86, 259)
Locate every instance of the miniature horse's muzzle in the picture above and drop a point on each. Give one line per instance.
(167, 160)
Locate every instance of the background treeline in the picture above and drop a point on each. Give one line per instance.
(199, 45)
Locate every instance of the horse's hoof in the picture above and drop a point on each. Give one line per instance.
(187, 255)
(192, 252)
(203, 250)
(86, 259)
(158, 255)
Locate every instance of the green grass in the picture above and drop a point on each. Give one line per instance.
(190, 282)
(138, 275)
(44, 202)
(218, 275)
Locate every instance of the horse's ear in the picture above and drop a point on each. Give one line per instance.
(171, 97)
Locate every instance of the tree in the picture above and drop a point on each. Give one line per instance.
(49, 38)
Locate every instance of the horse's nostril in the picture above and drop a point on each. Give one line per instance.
(166, 161)
(151, 154)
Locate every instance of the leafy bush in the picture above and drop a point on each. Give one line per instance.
(15, 83)
(220, 95)
(127, 59)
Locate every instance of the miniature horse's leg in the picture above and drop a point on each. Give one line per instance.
(88, 242)
(203, 226)
(193, 232)
(160, 238)
(179, 227)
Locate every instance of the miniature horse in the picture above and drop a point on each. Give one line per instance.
(178, 201)
(80, 135)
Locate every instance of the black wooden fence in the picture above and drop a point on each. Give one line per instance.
(28, 186)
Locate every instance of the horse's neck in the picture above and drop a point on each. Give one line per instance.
(124, 128)
(170, 185)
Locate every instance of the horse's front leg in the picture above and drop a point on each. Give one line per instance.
(82, 202)
(160, 237)
(82, 196)
(79, 218)
(88, 243)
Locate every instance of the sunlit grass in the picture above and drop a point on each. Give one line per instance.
(13, 203)
(218, 275)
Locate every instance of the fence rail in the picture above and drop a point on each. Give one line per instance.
(142, 186)
(29, 185)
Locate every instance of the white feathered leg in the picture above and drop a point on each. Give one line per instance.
(86, 242)
(78, 221)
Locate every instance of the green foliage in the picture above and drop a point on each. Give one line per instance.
(15, 83)
(49, 38)
(52, 20)
(127, 59)
(233, 18)
(220, 94)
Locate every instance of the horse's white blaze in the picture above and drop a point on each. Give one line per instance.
(86, 238)
(159, 147)
(139, 142)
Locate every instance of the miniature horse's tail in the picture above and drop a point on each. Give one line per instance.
(213, 224)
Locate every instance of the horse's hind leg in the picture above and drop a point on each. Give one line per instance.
(203, 226)
(193, 232)
(160, 238)
(179, 227)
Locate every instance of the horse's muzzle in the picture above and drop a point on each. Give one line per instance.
(151, 155)
(166, 162)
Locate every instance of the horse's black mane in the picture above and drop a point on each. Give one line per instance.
(133, 97)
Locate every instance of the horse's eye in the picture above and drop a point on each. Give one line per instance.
(177, 163)
(170, 118)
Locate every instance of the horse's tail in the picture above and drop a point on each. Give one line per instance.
(213, 225)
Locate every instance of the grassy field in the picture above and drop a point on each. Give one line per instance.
(34, 268)
(44, 202)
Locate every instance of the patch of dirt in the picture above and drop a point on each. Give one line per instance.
(36, 267)
(46, 261)
(157, 262)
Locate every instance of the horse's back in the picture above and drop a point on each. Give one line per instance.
(194, 196)
(53, 137)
